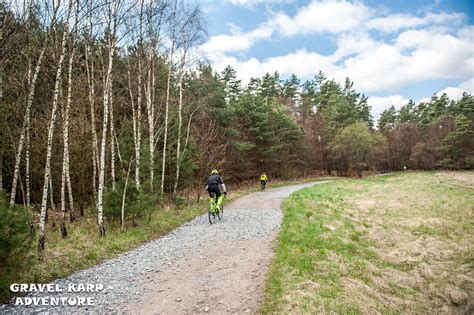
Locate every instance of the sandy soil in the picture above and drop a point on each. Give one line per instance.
(217, 278)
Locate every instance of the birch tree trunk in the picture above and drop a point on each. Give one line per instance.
(107, 88)
(134, 115)
(139, 103)
(26, 125)
(65, 178)
(91, 94)
(180, 121)
(151, 121)
(170, 70)
(138, 128)
(112, 138)
(29, 102)
(28, 145)
(122, 217)
(47, 170)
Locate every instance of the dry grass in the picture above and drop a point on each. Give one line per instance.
(395, 244)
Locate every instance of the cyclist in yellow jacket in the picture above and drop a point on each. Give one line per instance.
(263, 180)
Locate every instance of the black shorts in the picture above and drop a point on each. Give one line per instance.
(214, 191)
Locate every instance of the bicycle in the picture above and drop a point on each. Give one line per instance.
(263, 184)
(215, 212)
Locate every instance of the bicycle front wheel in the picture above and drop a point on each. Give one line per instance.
(212, 217)
(220, 214)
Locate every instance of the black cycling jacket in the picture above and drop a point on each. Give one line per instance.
(215, 179)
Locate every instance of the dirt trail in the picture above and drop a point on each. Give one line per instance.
(219, 276)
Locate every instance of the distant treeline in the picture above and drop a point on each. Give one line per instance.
(437, 134)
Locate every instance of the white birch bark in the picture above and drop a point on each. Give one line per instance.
(180, 121)
(26, 122)
(107, 88)
(47, 171)
(138, 128)
(29, 102)
(122, 216)
(112, 133)
(170, 70)
(65, 178)
(69, 190)
(134, 115)
(139, 102)
(151, 121)
(28, 146)
(91, 94)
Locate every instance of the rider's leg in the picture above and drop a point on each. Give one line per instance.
(212, 200)
(218, 198)
(216, 194)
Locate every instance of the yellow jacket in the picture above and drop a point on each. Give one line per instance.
(263, 177)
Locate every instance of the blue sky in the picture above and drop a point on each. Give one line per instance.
(392, 50)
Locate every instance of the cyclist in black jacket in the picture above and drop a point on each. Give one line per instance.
(214, 185)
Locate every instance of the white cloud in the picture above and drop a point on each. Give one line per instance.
(251, 3)
(379, 104)
(423, 100)
(302, 63)
(415, 55)
(395, 22)
(358, 43)
(322, 16)
(237, 42)
(456, 92)
(468, 86)
(374, 66)
(432, 46)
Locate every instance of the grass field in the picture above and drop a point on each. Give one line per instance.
(389, 244)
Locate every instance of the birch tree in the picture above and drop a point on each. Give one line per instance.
(91, 94)
(151, 119)
(168, 87)
(66, 178)
(28, 145)
(190, 33)
(180, 120)
(112, 25)
(139, 102)
(112, 133)
(47, 169)
(29, 102)
(154, 38)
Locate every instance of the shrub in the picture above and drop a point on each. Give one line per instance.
(15, 231)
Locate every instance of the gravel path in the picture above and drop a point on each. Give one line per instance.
(196, 268)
